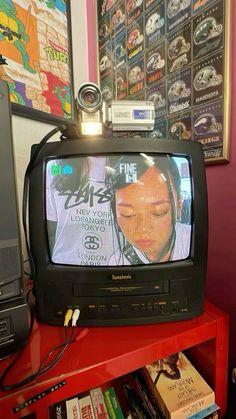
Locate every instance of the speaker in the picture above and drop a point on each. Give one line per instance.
(13, 305)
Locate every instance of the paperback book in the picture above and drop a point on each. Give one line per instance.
(98, 402)
(178, 387)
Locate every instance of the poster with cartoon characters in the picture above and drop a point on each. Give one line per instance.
(35, 42)
(175, 53)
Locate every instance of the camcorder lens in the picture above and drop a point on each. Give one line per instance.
(90, 97)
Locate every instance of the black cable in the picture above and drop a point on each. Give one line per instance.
(43, 368)
(26, 189)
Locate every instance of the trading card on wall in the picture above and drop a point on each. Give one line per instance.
(104, 6)
(179, 48)
(104, 32)
(179, 91)
(107, 90)
(135, 40)
(208, 79)
(160, 130)
(119, 50)
(177, 12)
(155, 63)
(136, 77)
(105, 62)
(118, 21)
(121, 85)
(134, 9)
(199, 5)
(208, 127)
(154, 22)
(180, 126)
(208, 31)
(157, 95)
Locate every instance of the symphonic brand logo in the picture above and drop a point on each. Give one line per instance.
(120, 277)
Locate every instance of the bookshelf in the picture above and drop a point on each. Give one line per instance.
(107, 353)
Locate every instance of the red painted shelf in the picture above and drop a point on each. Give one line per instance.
(107, 353)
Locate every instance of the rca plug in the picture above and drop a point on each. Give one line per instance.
(68, 316)
(75, 317)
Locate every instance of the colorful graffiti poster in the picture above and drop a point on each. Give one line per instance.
(36, 43)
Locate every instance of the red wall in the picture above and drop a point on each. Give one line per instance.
(221, 181)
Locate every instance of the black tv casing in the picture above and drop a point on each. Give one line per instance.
(122, 295)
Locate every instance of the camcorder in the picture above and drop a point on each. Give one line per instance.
(95, 117)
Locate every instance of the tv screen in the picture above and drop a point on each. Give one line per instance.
(118, 210)
(118, 228)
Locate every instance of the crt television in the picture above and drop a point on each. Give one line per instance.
(118, 228)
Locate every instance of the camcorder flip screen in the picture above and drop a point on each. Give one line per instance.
(119, 209)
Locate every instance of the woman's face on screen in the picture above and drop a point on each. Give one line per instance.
(144, 213)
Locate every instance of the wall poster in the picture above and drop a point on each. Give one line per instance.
(175, 53)
(35, 41)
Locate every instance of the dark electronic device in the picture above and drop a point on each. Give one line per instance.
(13, 306)
(81, 257)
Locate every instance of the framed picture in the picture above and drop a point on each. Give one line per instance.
(35, 44)
(176, 54)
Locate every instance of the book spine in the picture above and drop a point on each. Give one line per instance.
(194, 407)
(72, 408)
(211, 412)
(58, 410)
(110, 408)
(86, 408)
(115, 404)
(98, 402)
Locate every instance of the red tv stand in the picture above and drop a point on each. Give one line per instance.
(107, 353)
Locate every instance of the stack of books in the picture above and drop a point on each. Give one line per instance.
(97, 404)
(170, 388)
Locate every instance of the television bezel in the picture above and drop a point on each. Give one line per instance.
(193, 267)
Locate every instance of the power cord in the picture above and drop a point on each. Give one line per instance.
(29, 168)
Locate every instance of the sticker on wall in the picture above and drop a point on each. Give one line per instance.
(118, 18)
(154, 22)
(179, 49)
(208, 79)
(119, 51)
(208, 31)
(104, 32)
(134, 9)
(179, 92)
(180, 127)
(106, 89)
(155, 63)
(136, 77)
(121, 85)
(160, 130)
(135, 40)
(105, 63)
(177, 11)
(208, 127)
(157, 95)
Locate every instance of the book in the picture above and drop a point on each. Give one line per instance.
(72, 408)
(86, 408)
(113, 405)
(178, 387)
(211, 412)
(98, 402)
(138, 395)
(58, 410)
(137, 410)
